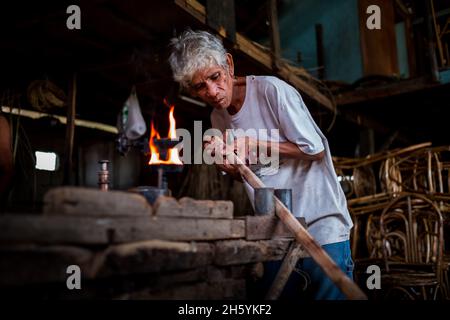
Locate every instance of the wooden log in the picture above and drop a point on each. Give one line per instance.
(99, 231)
(233, 252)
(94, 202)
(31, 264)
(267, 227)
(152, 256)
(188, 207)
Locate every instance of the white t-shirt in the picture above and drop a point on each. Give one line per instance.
(271, 103)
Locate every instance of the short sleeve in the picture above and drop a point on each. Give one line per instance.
(296, 123)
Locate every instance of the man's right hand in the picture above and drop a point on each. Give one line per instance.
(230, 169)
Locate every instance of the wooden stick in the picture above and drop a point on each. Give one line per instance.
(70, 131)
(347, 286)
(288, 265)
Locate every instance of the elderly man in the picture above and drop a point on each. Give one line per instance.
(201, 65)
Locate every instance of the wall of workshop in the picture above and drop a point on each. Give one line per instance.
(124, 171)
(341, 38)
(30, 184)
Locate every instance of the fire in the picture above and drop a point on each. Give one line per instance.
(173, 157)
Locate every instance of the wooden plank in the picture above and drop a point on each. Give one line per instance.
(31, 264)
(267, 227)
(96, 231)
(401, 87)
(188, 207)
(94, 202)
(238, 252)
(194, 8)
(221, 17)
(233, 252)
(378, 46)
(151, 256)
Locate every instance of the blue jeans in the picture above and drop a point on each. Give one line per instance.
(308, 281)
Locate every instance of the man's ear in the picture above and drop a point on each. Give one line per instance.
(230, 64)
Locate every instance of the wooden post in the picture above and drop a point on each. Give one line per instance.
(438, 38)
(320, 53)
(70, 131)
(288, 265)
(274, 33)
(431, 44)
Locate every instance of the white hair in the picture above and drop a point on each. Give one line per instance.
(195, 50)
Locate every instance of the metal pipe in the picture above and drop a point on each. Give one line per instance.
(103, 175)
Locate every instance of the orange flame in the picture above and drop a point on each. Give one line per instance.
(173, 157)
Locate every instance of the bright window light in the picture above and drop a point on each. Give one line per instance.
(46, 160)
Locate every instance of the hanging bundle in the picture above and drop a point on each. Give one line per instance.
(44, 96)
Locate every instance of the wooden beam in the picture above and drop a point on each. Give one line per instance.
(405, 86)
(320, 51)
(94, 202)
(221, 17)
(71, 229)
(188, 207)
(235, 252)
(267, 227)
(274, 33)
(151, 256)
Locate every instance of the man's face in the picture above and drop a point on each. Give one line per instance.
(214, 85)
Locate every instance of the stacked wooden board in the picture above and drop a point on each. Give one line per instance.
(125, 248)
